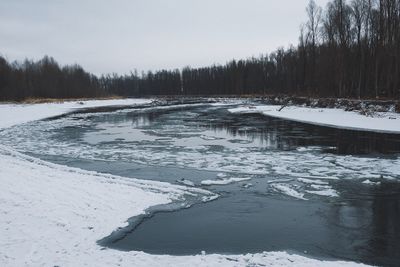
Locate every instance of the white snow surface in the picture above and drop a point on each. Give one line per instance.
(387, 122)
(52, 215)
(12, 114)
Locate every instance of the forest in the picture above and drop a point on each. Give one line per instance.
(348, 49)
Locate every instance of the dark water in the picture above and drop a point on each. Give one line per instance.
(361, 223)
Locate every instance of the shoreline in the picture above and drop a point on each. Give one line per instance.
(277, 99)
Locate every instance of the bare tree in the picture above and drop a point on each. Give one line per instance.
(314, 19)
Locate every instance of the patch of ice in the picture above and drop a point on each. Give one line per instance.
(311, 181)
(224, 181)
(210, 138)
(209, 198)
(247, 185)
(318, 187)
(325, 192)
(287, 190)
(369, 182)
(186, 182)
(308, 148)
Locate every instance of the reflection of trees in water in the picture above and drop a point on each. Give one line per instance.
(366, 225)
(287, 135)
(385, 210)
(354, 142)
(267, 132)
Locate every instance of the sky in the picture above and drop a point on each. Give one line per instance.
(118, 36)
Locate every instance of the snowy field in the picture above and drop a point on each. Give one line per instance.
(384, 122)
(52, 215)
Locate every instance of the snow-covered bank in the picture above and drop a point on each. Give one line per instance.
(52, 215)
(385, 122)
(12, 114)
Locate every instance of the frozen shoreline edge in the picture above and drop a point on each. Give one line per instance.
(290, 113)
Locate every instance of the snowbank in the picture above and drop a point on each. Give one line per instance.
(385, 122)
(12, 114)
(52, 215)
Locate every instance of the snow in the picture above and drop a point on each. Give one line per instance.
(52, 215)
(386, 122)
(224, 181)
(13, 114)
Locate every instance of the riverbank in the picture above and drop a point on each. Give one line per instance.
(378, 121)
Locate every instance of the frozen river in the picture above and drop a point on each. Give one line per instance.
(323, 192)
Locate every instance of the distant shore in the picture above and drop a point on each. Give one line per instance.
(365, 106)
(60, 100)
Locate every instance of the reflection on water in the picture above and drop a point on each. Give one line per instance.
(247, 220)
(369, 218)
(247, 130)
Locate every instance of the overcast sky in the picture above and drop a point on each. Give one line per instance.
(121, 35)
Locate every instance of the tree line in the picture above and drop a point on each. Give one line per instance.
(46, 79)
(347, 49)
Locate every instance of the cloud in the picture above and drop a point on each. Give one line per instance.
(118, 36)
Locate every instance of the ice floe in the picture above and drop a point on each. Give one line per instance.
(288, 190)
(224, 181)
(328, 192)
(369, 182)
